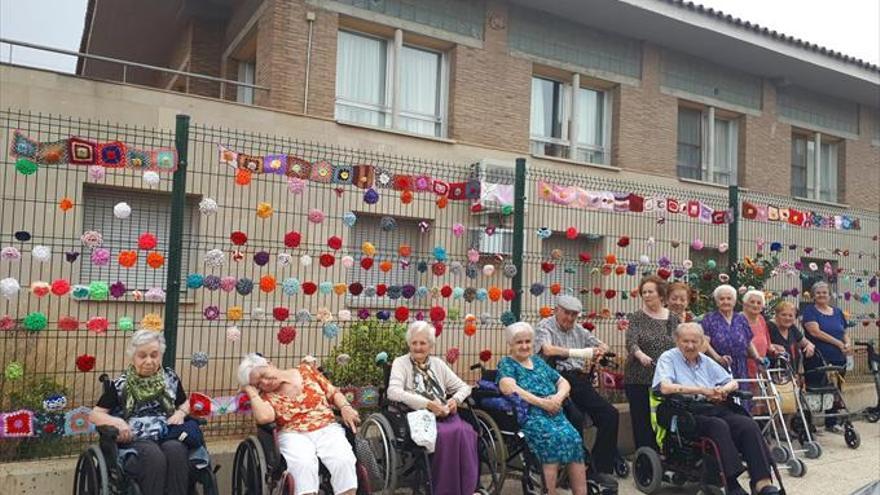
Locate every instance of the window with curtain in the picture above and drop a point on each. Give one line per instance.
(550, 115)
(702, 157)
(365, 86)
(246, 74)
(810, 179)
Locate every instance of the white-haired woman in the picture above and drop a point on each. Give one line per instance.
(143, 403)
(826, 328)
(550, 436)
(299, 401)
(729, 334)
(422, 381)
(753, 309)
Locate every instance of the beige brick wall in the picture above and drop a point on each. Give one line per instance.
(206, 53)
(646, 122)
(490, 91)
(765, 155)
(861, 170)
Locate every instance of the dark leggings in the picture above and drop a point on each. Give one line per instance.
(159, 469)
(604, 416)
(640, 415)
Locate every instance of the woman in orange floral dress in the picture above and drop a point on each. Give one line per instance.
(299, 401)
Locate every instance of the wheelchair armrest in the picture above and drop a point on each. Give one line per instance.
(741, 394)
(825, 369)
(684, 398)
(267, 428)
(108, 431)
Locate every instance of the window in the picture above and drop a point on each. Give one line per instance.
(150, 213)
(366, 90)
(558, 118)
(814, 176)
(367, 229)
(246, 74)
(707, 153)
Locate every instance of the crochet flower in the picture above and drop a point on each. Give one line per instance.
(261, 258)
(155, 259)
(195, 281)
(363, 314)
(155, 294)
(227, 283)
(199, 359)
(80, 292)
(286, 335)
(264, 210)
(151, 178)
(117, 289)
(303, 316)
(238, 238)
(280, 313)
(127, 259)
(10, 253)
(233, 334)
(234, 313)
(387, 224)
(330, 330)
(14, 371)
(371, 197)
(244, 286)
(122, 210)
(100, 257)
(325, 287)
(349, 219)
(258, 313)
(485, 355)
(147, 241)
(215, 258)
(85, 363)
(316, 215)
(152, 321)
(98, 324)
(125, 324)
(99, 291)
(68, 323)
(96, 172)
(41, 253)
(208, 206)
(295, 185)
(7, 323)
(267, 283)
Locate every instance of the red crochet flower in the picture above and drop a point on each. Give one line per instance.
(571, 233)
(309, 288)
(585, 257)
(85, 363)
(610, 293)
(381, 289)
(547, 267)
(7, 323)
(292, 239)
(589, 325)
(238, 238)
(60, 287)
(97, 324)
(281, 313)
(244, 403)
(147, 241)
(334, 242)
(438, 328)
(68, 323)
(597, 290)
(437, 313)
(200, 404)
(366, 263)
(664, 273)
(401, 314)
(623, 241)
(286, 335)
(508, 294)
(327, 260)
(555, 288)
(485, 355)
(438, 268)
(355, 288)
(446, 291)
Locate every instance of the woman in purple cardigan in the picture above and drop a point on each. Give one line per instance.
(728, 334)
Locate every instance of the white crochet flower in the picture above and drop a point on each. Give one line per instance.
(122, 210)
(41, 253)
(9, 288)
(215, 258)
(208, 206)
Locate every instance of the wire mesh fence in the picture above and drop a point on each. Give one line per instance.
(292, 247)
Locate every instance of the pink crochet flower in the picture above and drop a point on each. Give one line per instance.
(316, 215)
(295, 185)
(97, 324)
(101, 256)
(92, 239)
(452, 355)
(228, 283)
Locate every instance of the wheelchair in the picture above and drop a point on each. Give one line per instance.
(98, 471)
(258, 467)
(514, 453)
(685, 457)
(399, 463)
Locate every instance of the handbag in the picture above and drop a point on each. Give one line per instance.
(423, 428)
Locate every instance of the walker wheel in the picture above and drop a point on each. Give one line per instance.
(621, 468)
(852, 438)
(780, 454)
(872, 416)
(813, 450)
(797, 468)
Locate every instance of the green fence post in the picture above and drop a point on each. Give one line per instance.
(733, 231)
(519, 223)
(175, 240)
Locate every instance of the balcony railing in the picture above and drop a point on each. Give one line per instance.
(177, 79)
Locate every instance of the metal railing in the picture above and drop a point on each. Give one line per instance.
(126, 64)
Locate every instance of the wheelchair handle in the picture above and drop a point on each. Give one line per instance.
(741, 394)
(108, 431)
(476, 366)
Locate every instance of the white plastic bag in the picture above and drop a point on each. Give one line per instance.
(423, 428)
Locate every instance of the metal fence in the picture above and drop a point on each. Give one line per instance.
(264, 255)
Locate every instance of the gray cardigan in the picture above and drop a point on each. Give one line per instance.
(400, 385)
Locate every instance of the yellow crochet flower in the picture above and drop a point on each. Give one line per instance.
(152, 321)
(264, 210)
(234, 313)
(368, 248)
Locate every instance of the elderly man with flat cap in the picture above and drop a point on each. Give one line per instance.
(561, 339)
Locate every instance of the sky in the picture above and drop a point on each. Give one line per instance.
(848, 26)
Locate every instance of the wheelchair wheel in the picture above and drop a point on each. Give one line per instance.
(872, 416)
(91, 476)
(852, 438)
(647, 470)
(204, 482)
(492, 453)
(249, 469)
(812, 450)
(378, 434)
(621, 467)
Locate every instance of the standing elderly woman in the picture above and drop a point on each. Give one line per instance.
(729, 334)
(649, 335)
(551, 438)
(786, 337)
(826, 328)
(422, 381)
(144, 401)
(753, 310)
(299, 401)
(678, 298)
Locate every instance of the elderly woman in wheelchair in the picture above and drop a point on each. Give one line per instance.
(149, 444)
(299, 401)
(695, 416)
(423, 382)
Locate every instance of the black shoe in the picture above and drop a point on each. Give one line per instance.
(605, 480)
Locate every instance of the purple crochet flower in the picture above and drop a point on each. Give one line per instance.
(408, 291)
(664, 262)
(261, 258)
(211, 313)
(100, 256)
(211, 282)
(383, 315)
(363, 314)
(155, 294)
(117, 290)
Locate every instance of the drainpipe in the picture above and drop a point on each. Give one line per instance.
(310, 17)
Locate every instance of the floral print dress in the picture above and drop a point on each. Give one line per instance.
(730, 339)
(308, 411)
(552, 439)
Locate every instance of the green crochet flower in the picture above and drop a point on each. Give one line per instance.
(25, 166)
(126, 324)
(14, 371)
(34, 322)
(99, 291)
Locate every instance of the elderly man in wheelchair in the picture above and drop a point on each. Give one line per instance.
(298, 402)
(700, 425)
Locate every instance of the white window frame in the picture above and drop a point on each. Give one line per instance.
(708, 143)
(569, 119)
(391, 105)
(247, 73)
(815, 166)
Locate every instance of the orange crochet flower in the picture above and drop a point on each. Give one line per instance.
(386, 266)
(545, 312)
(267, 283)
(494, 294)
(242, 177)
(555, 289)
(234, 313)
(470, 329)
(128, 258)
(611, 259)
(406, 197)
(340, 289)
(620, 270)
(65, 204)
(155, 259)
(404, 250)
(442, 201)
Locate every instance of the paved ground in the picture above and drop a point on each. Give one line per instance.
(839, 471)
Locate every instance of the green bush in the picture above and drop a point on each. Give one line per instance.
(363, 342)
(30, 393)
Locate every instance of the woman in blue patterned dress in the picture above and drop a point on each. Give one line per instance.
(551, 438)
(729, 334)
